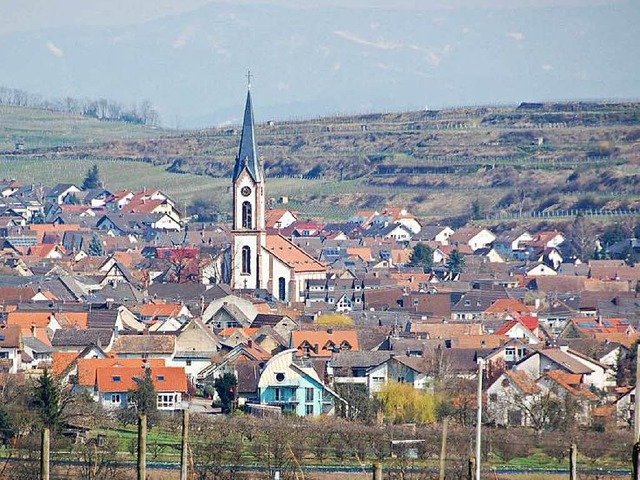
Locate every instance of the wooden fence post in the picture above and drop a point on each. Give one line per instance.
(377, 471)
(185, 445)
(142, 447)
(573, 462)
(443, 448)
(472, 469)
(44, 453)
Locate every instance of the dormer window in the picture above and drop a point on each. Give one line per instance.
(116, 378)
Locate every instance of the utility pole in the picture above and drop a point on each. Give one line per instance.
(185, 445)
(142, 446)
(443, 448)
(479, 418)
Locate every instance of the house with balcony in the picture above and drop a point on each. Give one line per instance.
(292, 384)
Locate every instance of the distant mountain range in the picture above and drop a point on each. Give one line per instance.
(318, 61)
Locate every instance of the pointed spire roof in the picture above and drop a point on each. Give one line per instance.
(248, 152)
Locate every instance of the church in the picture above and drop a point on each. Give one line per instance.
(260, 261)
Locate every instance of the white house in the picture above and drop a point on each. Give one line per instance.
(113, 385)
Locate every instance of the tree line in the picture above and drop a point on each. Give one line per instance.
(142, 113)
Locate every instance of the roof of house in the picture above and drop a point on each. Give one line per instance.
(521, 379)
(566, 361)
(61, 360)
(325, 339)
(160, 309)
(87, 367)
(292, 255)
(446, 330)
(9, 336)
(73, 337)
(572, 383)
(144, 344)
(359, 359)
(123, 379)
(508, 305)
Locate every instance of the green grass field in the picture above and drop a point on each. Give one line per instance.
(44, 129)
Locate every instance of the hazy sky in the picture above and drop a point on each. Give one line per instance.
(323, 56)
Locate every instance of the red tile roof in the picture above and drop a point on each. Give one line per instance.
(325, 340)
(87, 367)
(121, 379)
(292, 256)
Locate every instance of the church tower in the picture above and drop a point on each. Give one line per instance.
(249, 233)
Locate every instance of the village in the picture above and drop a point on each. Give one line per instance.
(311, 318)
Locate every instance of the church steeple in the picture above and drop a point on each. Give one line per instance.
(248, 153)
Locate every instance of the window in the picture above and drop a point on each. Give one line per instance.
(188, 363)
(378, 379)
(400, 379)
(116, 378)
(493, 397)
(246, 260)
(247, 220)
(166, 401)
(160, 378)
(308, 395)
(308, 410)
(277, 394)
(282, 289)
(115, 398)
(280, 377)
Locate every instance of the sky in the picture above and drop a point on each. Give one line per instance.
(320, 57)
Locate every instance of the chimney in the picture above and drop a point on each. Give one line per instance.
(330, 330)
(250, 343)
(116, 333)
(316, 348)
(33, 329)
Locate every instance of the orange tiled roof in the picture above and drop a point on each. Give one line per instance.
(363, 253)
(44, 250)
(523, 381)
(76, 319)
(61, 360)
(47, 228)
(87, 367)
(247, 332)
(274, 215)
(293, 256)
(479, 341)
(324, 340)
(572, 383)
(508, 305)
(160, 309)
(121, 379)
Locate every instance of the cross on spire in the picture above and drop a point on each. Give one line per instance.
(249, 79)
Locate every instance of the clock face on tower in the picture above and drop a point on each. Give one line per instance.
(246, 191)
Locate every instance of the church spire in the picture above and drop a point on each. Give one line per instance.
(248, 153)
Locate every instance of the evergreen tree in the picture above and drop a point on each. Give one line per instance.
(95, 247)
(144, 399)
(92, 179)
(422, 256)
(455, 263)
(226, 387)
(47, 399)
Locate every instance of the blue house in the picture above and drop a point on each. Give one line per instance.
(293, 385)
